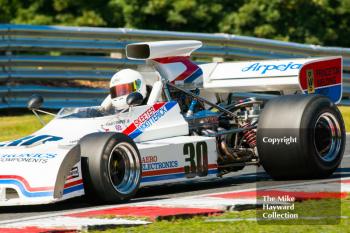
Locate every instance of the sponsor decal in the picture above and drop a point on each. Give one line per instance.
(145, 116)
(27, 157)
(151, 163)
(75, 141)
(263, 69)
(330, 71)
(172, 173)
(150, 159)
(310, 81)
(31, 140)
(115, 125)
(74, 173)
(148, 118)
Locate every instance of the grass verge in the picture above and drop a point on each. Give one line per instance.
(232, 222)
(345, 111)
(13, 127)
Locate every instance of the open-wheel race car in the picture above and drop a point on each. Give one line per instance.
(188, 125)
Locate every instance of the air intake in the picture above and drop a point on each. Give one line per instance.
(160, 49)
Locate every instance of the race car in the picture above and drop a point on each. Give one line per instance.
(189, 126)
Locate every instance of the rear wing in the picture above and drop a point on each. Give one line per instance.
(312, 75)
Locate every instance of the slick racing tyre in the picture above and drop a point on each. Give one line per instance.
(111, 167)
(300, 137)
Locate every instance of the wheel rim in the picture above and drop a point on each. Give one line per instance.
(327, 137)
(124, 168)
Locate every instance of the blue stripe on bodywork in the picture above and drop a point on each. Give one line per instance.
(170, 105)
(73, 189)
(194, 76)
(29, 140)
(135, 134)
(24, 191)
(18, 141)
(332, 92)
(43, 138)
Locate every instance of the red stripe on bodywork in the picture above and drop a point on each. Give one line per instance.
(157, 106)
(190, 66)
(211, 166)
(347, 181)
(25, 183)
(67, 185)
(163, 171)
(131, 128)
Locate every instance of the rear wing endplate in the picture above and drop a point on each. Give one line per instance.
(323, 76)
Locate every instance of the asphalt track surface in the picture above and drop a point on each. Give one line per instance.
(249, 177)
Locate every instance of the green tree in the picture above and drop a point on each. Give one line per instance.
(325, 22)
(8, 9)
(315, 21)
(178, 15)
(61, 12)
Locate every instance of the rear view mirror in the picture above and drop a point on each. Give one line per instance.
(35, 102)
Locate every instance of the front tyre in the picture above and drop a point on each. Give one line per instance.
(319, 132)
(111, 166)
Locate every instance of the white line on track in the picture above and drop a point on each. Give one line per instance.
(77, 223)
(63, 213)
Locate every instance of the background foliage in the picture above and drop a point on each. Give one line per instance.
(324, 22)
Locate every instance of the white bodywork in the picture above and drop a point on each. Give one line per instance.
(273, 75)
(33, 171)
(45, 167)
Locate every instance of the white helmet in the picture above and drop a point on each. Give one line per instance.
(122, 84)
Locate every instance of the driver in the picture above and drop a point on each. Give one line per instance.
(122, 84)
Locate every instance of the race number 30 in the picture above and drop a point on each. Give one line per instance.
(196, 155)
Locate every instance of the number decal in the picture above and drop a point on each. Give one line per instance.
(190, 170)
(197, 157)
(202, 158)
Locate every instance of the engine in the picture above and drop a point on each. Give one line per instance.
(239, 147)
(203, 122)
(234, 128)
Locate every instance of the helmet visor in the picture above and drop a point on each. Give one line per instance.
(123, 89)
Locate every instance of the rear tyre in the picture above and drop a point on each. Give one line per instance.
(111, 167)
(311, 135)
